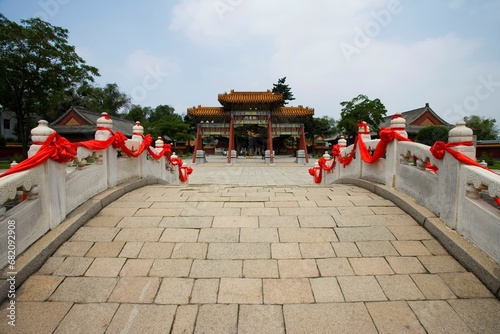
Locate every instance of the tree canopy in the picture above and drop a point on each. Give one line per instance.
(161, 121)
(37, 69)
(102, 99)
(432, 133)
(484, 128)
(361, 108)
(283, 89)
(324, 126)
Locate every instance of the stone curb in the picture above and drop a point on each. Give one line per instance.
(460, 248)
(32, 259)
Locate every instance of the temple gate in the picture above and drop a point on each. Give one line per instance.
(264, 109)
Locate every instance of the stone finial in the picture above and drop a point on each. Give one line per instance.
(104, 122)
(326, 156)
(398, 124)
(138, 131)
(342, 142)
(364, 130)
(159, 145)
(462, 134)
(41, 132)
(39, 136)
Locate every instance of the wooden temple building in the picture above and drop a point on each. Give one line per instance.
(263, 108)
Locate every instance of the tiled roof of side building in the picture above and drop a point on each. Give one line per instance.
(412, 115)
(293, 111)
(119, 124)
(250, 97)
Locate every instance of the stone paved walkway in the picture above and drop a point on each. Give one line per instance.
(255, 250)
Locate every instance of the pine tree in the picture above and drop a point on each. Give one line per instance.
(283, 89)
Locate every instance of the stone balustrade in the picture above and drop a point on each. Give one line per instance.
(39, 199)
(459, 194)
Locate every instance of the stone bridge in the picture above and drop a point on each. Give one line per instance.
(246, 248)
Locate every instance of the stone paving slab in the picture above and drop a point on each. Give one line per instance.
(252, 250)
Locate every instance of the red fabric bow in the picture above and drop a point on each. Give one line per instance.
(55, 147)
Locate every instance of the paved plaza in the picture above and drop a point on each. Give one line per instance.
(252, 248)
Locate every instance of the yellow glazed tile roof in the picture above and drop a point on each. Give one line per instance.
(250, 97)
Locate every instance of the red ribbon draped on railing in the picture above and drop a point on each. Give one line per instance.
(440, 148)
(62, 150)
(316, 171)
(386, 136)
(55, 147)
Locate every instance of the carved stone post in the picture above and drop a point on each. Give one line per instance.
(462, 134)
(342, 144)
(52, 182)
(364, 131)
(109, 156)
(449, 174)
(397, 124)
(39, 136)
(104, 127)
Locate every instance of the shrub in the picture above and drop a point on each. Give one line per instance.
(17, 158)
(432, 133)
(488, 158)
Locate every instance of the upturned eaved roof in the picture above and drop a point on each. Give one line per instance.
(411, 116)
(90, 117)
(299, 111)
(200, 111)
(250, 97)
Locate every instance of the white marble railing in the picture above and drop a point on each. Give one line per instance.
(39, 199)
(459, 194)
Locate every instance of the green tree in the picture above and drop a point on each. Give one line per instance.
(37, 68)
(164, 121)
(283, 89)
(484, 128)
(431, 134)
(161, 111)
(101, 99)
(361, 108)
(324, 126)
(138, 113)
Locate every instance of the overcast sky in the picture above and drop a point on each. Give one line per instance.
(185, 52)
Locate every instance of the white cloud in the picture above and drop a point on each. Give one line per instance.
(304, 42)
(139, 62)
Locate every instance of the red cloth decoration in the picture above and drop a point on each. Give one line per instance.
(364, 125)
(55, 147)
(316, 173)
(61, 150)
(439, 148)
(386, 136)
(184, 171)
(323, 164)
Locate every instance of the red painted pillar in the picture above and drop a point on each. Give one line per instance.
(270, 139)
(303, 144)
(198, 145)
(231, 140)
